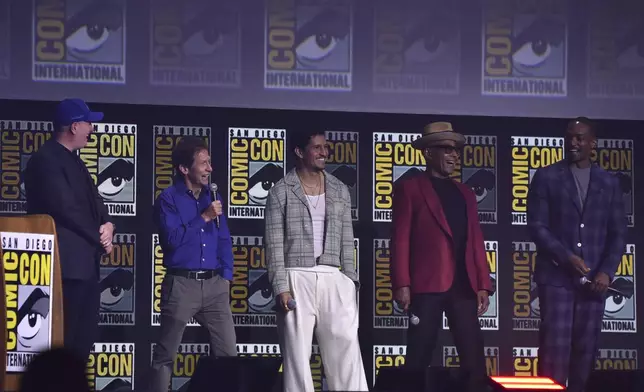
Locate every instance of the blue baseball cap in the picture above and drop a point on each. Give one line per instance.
(74, 110)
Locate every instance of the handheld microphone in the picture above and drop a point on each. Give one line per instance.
(291, 304)
(584, 281)
(213, 189)
(413, 319)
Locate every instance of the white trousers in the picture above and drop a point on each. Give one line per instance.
(326, 304)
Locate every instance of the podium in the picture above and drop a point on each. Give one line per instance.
(32, 312)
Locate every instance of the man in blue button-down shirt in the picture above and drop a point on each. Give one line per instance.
(198, 258)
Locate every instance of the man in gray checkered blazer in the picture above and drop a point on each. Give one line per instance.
(309, 256)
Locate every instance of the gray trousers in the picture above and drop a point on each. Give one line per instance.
(181, 299)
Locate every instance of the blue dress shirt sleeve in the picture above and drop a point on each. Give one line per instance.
(172, 231)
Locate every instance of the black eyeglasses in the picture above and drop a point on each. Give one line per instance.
(448, 149)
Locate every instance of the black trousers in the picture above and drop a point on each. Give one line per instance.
(460, 305)
(81, 301)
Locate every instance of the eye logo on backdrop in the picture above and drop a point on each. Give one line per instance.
(616, 157)
(158, 273)
(111, 366)
(166, 138)
(342, 162)
(79, 41)
(5, 40)
(195, 43)
(387, 314)
(529, 154)
(615, 53)
(525, 48)
(490, 319)
(525, 296)
(185, 363)
(452, 360)
(524, 361)
(477, 169)
(387, 357)
(257, 160)
(117, 282)
(251, 293)
(417, 47)
(621, 310)
(308, 45)
(265, 350)
(616, 359)
(393, 159)
(28, 267)
(110, 157)
(18, 141)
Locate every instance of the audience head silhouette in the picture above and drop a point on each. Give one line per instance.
(57, 370)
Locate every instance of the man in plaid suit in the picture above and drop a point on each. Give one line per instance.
(308, 238)
(576, 218)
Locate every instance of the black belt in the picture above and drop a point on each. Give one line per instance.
(194, 274)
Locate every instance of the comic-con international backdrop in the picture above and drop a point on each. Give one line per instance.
(547, 58)
(129, 159)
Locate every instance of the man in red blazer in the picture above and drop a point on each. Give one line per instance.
(437, 255)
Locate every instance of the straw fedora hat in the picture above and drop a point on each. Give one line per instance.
(437, 132)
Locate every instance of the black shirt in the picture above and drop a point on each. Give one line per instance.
(455, 211)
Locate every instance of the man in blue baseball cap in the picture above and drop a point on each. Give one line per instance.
(58, 184)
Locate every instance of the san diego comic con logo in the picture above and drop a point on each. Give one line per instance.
(195, 43)
(166, 138)
(386, 356)
(476, 168)
(386, 312)
(342, 162)
(525, 296)
(28, 267)
(118, 277)
(490, 319)
(417, 47)
(5, 40)
(110, 157)
(616, 157)
(525, 361)
(19, 140)
(111, 367)
(185, 363)
(308, 45)
(616, 359)
(79, 41)
(251, 294)
(257, 160)
(524, 48)
(529, 153)
(452, 360)
(267, 350)
(394, 158)
(158, 273)
(620, 311)
(615, 53)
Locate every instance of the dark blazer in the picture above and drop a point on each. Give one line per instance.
(421, 241)
(58, 184)
(560, 227)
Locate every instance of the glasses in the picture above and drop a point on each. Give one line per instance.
(447, 150)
